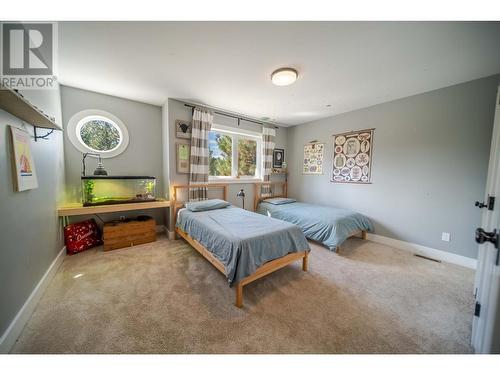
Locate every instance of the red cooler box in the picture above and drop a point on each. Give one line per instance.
(81, 236)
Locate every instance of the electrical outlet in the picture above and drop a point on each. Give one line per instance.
(445, 237)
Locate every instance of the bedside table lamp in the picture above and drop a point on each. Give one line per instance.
(241, 194)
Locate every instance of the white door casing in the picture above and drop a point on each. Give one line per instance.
(486, 327)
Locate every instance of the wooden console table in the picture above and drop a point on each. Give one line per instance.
(74, 209)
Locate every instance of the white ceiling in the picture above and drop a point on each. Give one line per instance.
(347, 65)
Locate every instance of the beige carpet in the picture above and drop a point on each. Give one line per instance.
(165, 298)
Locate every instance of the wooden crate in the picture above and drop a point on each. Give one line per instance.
(124, 234)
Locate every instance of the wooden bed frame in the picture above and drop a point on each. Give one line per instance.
(283, 193)
(262, 271)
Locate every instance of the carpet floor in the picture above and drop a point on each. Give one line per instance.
(165, 298)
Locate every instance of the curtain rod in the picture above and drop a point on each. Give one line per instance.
(192, 106)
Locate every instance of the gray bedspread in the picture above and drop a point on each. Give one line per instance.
(242, 240)
(329, 225)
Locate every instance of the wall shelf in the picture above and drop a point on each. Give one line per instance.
(279, 171)
(14, 103)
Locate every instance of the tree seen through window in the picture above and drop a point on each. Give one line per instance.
(100, 135)
(221, 155)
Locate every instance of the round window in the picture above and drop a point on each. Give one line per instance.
(98, 132)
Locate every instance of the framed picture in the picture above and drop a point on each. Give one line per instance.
(352, 157)
(278, 157)
(23, 166)
(183, 129)
(313, 158)
(183, 154)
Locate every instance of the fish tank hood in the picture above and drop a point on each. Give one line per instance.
(91, 177)
(100, 190)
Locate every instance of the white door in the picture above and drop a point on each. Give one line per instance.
(486, 321)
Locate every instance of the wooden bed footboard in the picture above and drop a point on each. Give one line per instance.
(262, 271)
(268, 268)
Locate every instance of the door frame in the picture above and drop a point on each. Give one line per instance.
(487, 291)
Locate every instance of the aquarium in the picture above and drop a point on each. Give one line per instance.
(97, 190)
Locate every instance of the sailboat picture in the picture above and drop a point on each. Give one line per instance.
(23, 165)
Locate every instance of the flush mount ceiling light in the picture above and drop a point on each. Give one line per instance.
(284, 76)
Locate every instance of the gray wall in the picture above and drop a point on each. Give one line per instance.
(30, 236)
(430, 161)
(143, 155)
(178, 111)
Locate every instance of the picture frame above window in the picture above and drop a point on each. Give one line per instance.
(97, 131)
(278, 157)
(183, 129)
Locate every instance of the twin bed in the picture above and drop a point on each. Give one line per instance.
(246, 246)
(329, 226)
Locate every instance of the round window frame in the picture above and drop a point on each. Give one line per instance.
(81, 118)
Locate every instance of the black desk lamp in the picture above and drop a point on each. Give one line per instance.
(241, 194)
(100, 171)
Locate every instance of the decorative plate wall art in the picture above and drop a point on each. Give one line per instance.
(352, 157)
(313, 158)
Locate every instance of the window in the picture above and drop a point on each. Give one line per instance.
(233, 154)
(99, 132)
(220, 150)
(247, 157)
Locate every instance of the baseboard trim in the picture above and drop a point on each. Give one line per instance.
(161, 229)
(441, 255)
(15, 328)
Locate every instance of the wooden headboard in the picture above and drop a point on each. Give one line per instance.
(282, 191)
(177, 204)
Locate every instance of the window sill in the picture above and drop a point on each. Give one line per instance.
(230, 180)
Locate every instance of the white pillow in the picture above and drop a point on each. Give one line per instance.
(278, 201)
